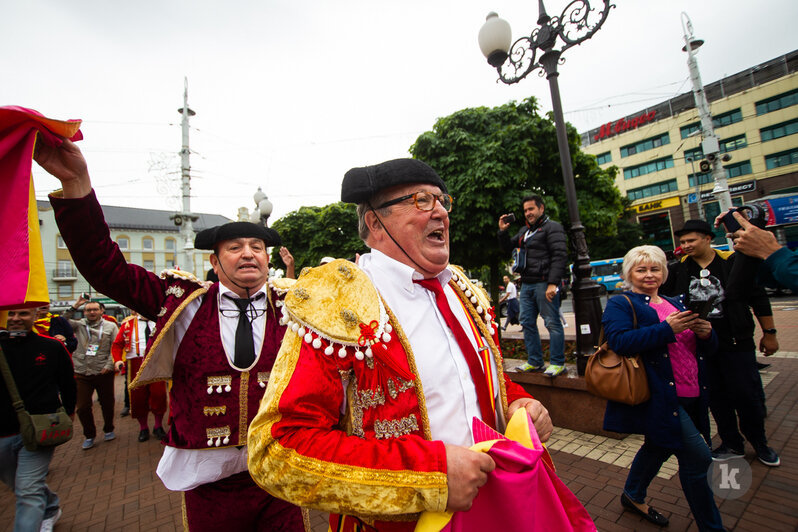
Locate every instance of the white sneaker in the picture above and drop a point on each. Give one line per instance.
(49, 523)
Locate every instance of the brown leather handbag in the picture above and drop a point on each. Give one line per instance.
(614, 377)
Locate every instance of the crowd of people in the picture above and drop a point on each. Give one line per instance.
(360, 388)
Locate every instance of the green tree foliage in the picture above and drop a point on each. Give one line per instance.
(311, 233)
(489, 158)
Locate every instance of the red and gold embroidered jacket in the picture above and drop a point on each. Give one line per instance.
(366, 452)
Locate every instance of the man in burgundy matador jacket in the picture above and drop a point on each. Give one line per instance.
(216, 343)
(368, 413)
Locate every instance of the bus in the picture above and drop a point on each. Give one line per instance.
(607, 273)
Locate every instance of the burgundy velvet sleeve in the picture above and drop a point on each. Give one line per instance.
(99, 260)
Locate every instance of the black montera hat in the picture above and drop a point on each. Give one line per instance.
(695, 226)
(360, 184)
(208, 238)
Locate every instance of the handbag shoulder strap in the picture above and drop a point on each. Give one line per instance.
(16, 400)
(634, 314)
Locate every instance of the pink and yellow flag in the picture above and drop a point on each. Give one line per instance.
(23, 282)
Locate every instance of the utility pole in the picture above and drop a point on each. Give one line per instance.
(710, 144)
(185, 219)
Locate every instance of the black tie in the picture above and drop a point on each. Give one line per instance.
(245, 344)
(147, 331)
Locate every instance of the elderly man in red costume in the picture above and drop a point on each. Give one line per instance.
(369, 411)
(215, 343)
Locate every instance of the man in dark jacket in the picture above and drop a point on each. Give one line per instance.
(542, 242)
(735, 388)
(42, 371)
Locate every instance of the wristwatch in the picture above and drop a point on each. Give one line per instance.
(769, 331)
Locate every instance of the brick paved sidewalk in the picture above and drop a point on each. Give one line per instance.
(114, 487)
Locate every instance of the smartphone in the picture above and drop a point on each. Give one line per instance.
(730, 223)
(509, 218)
(85, 295)
(702, 308)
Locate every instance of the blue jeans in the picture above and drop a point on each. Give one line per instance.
(25, 473)
(534, 302)
(694, 460)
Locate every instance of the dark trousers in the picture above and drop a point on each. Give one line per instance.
(735, 391)
(86, 385)
(237, 503)
(694, 460)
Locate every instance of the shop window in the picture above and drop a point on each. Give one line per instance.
(652, 190)
(783, 158)
(657, 230)
(645, 145)
(648, 168)
(733, 143)
(780, 101)
(604, 158)
(777, 131)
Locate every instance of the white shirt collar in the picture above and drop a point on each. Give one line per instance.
(224, 290)
(402, 274)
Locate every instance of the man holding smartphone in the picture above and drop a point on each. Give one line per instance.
(734, 383)
(542, 245)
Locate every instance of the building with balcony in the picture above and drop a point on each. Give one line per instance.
(146, 237)
(658, 149)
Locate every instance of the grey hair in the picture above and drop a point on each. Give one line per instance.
(362, 208)
(640, 254)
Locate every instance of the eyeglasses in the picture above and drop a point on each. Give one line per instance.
(424, 201)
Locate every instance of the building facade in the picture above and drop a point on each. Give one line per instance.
(658, 150)
(146, 237)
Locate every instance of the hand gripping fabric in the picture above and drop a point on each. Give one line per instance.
(21, 259)
(522, 493)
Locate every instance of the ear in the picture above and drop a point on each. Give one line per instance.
(214, 263)
(373, 223)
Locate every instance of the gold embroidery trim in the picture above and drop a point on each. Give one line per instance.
(214, 410)
(403, 386)
(394, 428)
(175, 290)
(263, 376)
(243, 395)
(355, 408)
(191, 297)
(371, 399)
(220, 380)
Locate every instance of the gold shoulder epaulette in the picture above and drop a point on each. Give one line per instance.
(180, 274)
(336, 307)
(281, 285)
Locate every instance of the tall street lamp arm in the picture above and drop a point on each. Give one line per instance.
(577, 23)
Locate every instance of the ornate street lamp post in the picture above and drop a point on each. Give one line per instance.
(577, 23)
(263, 209)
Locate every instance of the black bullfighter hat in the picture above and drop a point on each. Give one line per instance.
(360, 184)
(208, 238)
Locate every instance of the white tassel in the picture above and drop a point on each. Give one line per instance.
(294, 326)
(368, 352)
(342, 352)
(262, 384)
(479, 309)
(210, 442)
(308, 338)
(316, 343)
(359, 355)
(210, 390)
(328, 350)
(386, 337)
(226, 440)
(219, 389)
(227, 388)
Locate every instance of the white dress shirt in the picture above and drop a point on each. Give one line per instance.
(185, 469)
(449, 390)
(138, 338)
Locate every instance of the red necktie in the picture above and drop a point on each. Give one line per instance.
(474, 365)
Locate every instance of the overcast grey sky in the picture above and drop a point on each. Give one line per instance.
(290, 94)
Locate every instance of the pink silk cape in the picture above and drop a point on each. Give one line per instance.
(523, 493)
(22, 274)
